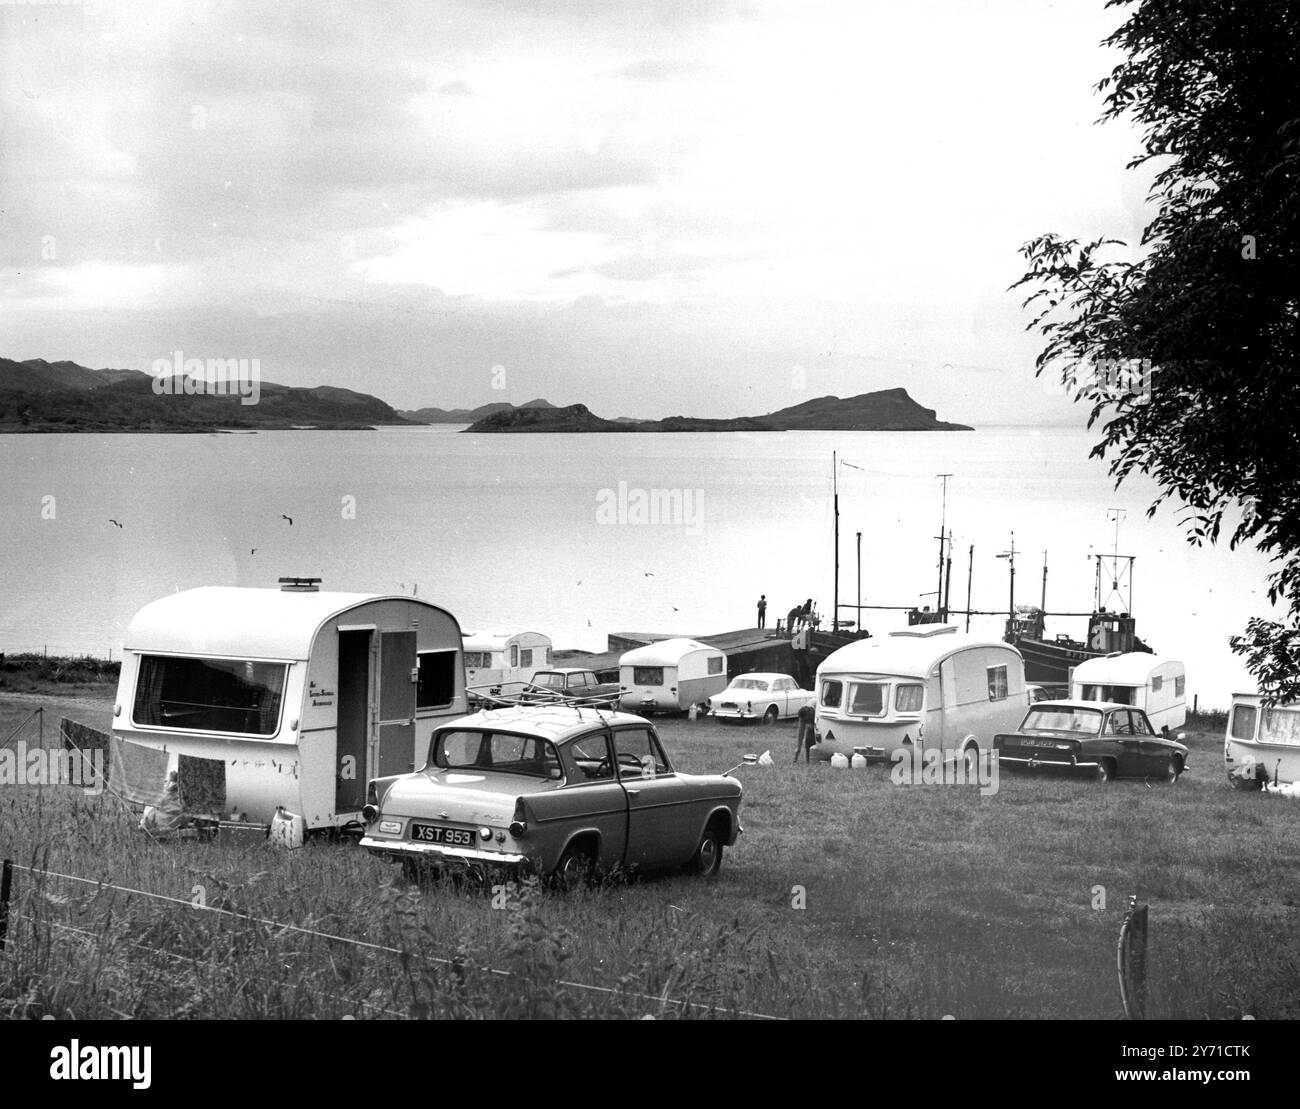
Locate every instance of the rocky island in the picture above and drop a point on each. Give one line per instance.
(883, 410)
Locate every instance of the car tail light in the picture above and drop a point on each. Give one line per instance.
(370, 813)
(518, 826)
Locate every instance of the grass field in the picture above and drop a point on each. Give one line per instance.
(847, 896)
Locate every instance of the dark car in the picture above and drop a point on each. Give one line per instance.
(1097, 739)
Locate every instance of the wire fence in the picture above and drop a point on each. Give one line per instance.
(662, 1001)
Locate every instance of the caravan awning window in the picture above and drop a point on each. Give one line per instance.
(209, 695)
(647, 675)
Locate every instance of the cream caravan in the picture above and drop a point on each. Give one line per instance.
(1157, 686)
(303, 695)
(1262, 744)
(670, 676)
(929, 687)
(498, 659)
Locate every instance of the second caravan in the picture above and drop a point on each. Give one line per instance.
(671, 675)
(928, 687)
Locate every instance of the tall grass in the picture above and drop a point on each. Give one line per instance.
(847, 897)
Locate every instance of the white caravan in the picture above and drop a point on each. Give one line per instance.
(928, 687)
(1157, 686)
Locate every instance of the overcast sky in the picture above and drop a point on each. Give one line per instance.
(653, 207)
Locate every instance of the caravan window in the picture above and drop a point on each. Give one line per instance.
(1243, 722)
(908, 697)
(526, 657)
(1180, 686)
(209, 694)
(1157, 682)
(715, 665)
(1281, 726)
(832, 691)
(436, 687)
(478, 660)
(997, 683)
(514, 655)
(647, 675)
(868, 698)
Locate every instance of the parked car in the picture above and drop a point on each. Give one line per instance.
(766, 697)
(555, 790)
(572, 683)
(1103, 740)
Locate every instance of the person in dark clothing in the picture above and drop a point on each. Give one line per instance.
(806, 736)
(762, 611)
(805, 613)
(792, 618)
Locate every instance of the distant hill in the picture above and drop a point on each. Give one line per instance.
(62, 396)
(467, 415)
(885, 410)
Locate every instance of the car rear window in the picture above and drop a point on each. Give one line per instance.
(502, 752)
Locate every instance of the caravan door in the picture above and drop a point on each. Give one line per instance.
(396, 724)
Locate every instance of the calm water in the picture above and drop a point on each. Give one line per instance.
(523, 532)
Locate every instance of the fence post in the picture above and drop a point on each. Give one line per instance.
(6, 880)
(1133, 961)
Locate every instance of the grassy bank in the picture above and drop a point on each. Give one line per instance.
(847, 896)
(28, 672)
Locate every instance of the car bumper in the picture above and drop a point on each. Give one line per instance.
(432, 852)
(734, 714)
(1035, 762)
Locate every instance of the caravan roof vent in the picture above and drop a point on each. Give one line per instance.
(300, 585)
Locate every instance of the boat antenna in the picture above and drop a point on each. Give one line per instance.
(943, 521)
(1011, 557)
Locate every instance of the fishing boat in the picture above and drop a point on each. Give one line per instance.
(1110, 629)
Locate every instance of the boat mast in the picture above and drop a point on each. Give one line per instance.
(1043, 606)
(939, 600)
(970, 574)
(835, 491)
(859, 623)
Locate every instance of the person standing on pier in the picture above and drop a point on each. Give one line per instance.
(762, 611)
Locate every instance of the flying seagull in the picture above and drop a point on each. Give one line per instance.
(648, 574)
(289, 518)
(115, 523)
(252, 550)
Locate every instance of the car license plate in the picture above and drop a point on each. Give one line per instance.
(437, 833)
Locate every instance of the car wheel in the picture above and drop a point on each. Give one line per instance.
(1173, 770)
(1103, 774)
(708, 855)
(770, 717)
(575, 868)
(971, 757)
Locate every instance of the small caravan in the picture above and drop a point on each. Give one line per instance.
(303, 695)
(1262, 744)
(928, 687)
(497, 659)
(1157, 686)
(671, 675)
